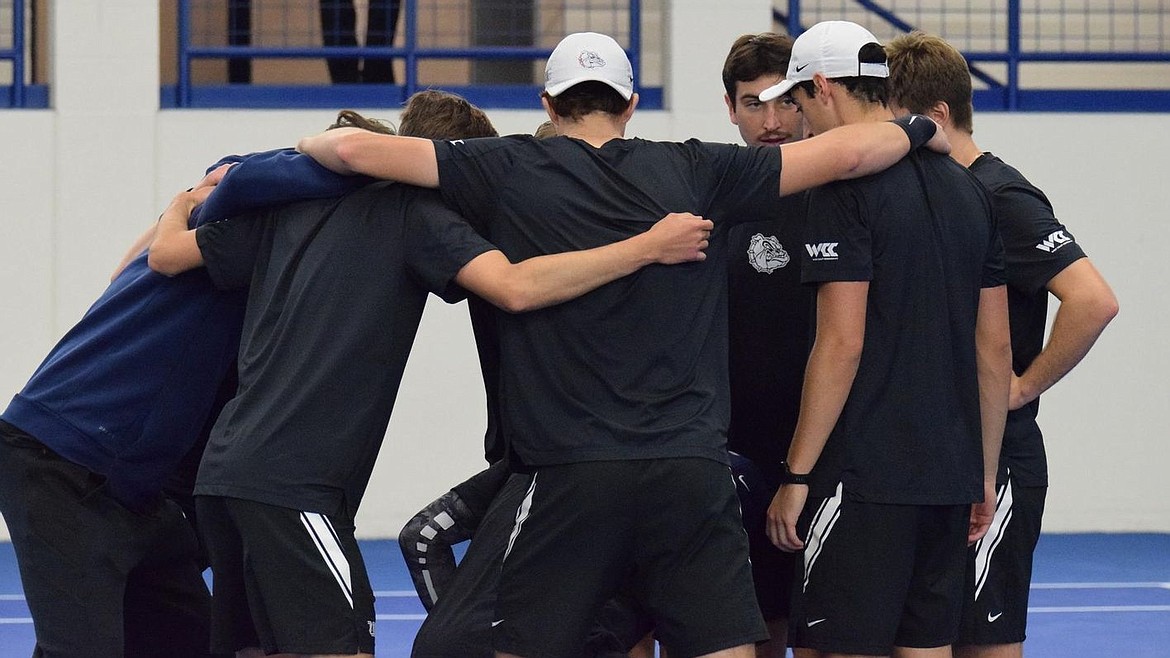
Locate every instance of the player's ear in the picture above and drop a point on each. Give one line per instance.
(730, 109)
(552, 116)
(630, 108)
(940, 112)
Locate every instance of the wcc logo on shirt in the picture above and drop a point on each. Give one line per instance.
(822, 250)
(1054, 241)
(766, 254)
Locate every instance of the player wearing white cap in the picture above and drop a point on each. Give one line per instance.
(906, 387)
(619, 401)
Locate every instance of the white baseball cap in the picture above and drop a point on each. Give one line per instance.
(830, 48)
(586, 56)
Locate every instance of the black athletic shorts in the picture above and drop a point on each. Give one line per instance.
(773, 570)
(100, 579)
(285, 581)
(669, 527)
(877, 576)
(460, 623)
(999, 569)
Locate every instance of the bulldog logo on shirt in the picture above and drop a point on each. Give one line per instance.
(766, 254)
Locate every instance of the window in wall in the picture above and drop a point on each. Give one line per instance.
(330, 53)
(21, 64)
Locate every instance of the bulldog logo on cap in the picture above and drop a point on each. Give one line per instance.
(590, 60)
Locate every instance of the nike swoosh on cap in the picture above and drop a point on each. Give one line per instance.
(802, 67)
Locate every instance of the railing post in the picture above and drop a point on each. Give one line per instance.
(794, 18)
(635, 40)
(1013, 55)
(18, 90)
(411, 59)
(183, 79)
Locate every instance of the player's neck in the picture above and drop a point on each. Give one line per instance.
(858, 112)
(964, 150)
(596, 128)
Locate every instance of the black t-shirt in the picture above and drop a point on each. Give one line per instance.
(1037, 247)
(637, 368)
(487, 346)
(337, 288)
(923, 234)
(770, 315)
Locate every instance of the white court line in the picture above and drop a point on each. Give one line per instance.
(391, 593)
(1056, 609)
(1040, 609)
(1101, 608)
(1100, 585)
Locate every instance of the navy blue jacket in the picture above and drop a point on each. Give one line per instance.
(130, 387)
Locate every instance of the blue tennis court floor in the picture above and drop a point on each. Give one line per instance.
(1094, 595)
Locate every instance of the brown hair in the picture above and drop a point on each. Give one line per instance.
(585, 98)
(754, 55)
(435, 114)
(925, 69)
(351, 119)
(545, 130)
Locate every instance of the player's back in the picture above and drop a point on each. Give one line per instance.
(333, 307)
(638, 367)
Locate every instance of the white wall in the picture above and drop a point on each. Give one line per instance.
(79, 182)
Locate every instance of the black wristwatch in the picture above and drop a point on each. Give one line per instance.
(788, 477)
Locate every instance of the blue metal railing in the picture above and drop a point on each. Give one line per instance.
(188, 94)
(1009, 94)
(1005, 39)
(18, 94)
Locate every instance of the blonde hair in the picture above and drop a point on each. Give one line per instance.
(925, 69)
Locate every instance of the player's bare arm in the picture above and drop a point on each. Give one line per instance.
(174, 249)
(546, 280)
(832, 366)
(993, 356)
(390, 157)
(137, 247)
(1087, 306)
(849, 151)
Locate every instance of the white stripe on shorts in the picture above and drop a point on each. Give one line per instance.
(329, 546)
(818, 531)
(986, 546)
(522, 513)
